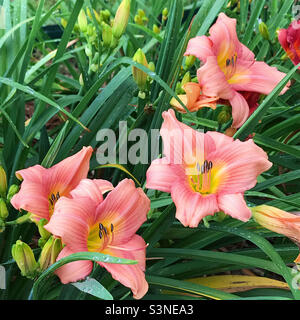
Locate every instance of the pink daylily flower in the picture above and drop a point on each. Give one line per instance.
(230, 67)
(211, 175)
(290, 41)
(86, 222)
(41, 187)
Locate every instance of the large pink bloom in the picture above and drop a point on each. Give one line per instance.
(230, 67)
(41, 187)
(205, 173)
(290, 41)
(86, 222)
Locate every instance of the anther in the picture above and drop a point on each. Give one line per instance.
(227, 62)
(111, 227)
(100, 226)
(105, 230)
(232, 61)
(51, 202)
(100, 234)
(57, 196)
(53, 197)
(205, 166)
(210, 165)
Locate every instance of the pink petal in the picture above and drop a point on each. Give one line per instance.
(260, 78)
(182, 144)
(67, 174)
(161, 175)
(33, 195)
(240, 110)
(235, 206)
(131, 276)
(71, 221)
(73, 271)
(92, 189)
(192, 207)
(200, 47)
(239, 164)
(213, 81)
(125, 207)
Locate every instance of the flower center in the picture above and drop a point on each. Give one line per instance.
(202, 181)
(53, 197)
(100, 236)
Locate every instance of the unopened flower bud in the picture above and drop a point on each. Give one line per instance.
(49, 253)
(165, 13)
(3, 182)
(141, 13)
(151, 66)
(3, 209)
(97, 16)
(186, 78)
(90, 30)
(13, 189)
(106, 34)
(81, 80)
(138, 20)
(263, 29)
(63, 22)
(140, 77)
(82, 21)
(88, 51)
(156, 29)
(121, 19)
(189, 61)
(25, 259)
(43, 232)
(224, 115)
(94, 67)
(105, 14)
(230, 132)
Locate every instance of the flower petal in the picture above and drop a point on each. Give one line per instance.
(259, 77)
(192, 207)
(213, 81)
(239, 164)
(92, 189)
(200, 47)
(67, 174)
(71, 221)
(131, 276)
(235, 206)
(125, 207)
(240, 110)
(162, 175)
(33, 195)
(73, 271)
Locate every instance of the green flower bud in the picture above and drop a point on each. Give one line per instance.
(140, 77)
(195, 79)
(145, 20)
(12, 191)
(49, 253)
(141, 13)
(186, 78)
(156, 29)
(224, 115)
(178, 88)
(138, 20)
(81, 80)
(25, 259)
(105, 14)
(114, 42)
(63, 22)
(121, 19)
(263, 29)
(165, 13)
(106, 34)
(82, 21)
(97, 16)
(3, 182)
(151, 66)
(90, 30)
(3, 209)
(94, 67)
(88, 51)
(189, 61)
(43, 232)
